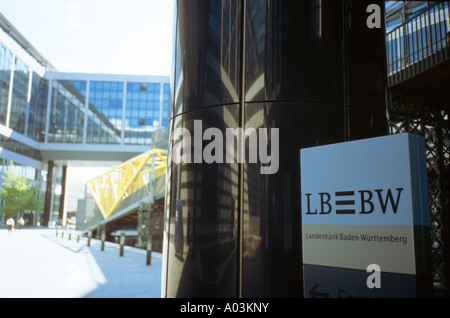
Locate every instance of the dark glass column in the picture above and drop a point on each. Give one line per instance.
(311, 69)
(202, 199)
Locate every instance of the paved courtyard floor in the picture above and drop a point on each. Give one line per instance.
(36, 263)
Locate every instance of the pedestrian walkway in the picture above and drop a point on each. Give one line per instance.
(36, 263)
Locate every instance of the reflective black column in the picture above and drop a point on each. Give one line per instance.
(311, 69)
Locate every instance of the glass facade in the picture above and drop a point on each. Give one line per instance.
(19, 98)
(165, 105)
(81, 111)
(142, 112)
(19, 147)
(66, 114)
(21, 90)
(37, 109)
(6, 57)
(398, 12)
(21, 170)
(27, 102)
(105, 112)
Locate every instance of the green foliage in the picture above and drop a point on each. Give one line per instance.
(18, 194)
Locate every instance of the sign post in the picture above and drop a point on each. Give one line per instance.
(365, 219)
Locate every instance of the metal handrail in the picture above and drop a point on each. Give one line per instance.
(418, 38)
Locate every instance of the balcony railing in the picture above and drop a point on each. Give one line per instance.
(418, 44)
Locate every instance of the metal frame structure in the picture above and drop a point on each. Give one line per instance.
(110, 188)
(430, 120)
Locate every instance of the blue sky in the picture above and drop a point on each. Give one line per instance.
(98, 36)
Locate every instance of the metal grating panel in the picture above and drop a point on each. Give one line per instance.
(414, 115)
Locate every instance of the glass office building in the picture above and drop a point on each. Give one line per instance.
(106, 109)
(48, 118)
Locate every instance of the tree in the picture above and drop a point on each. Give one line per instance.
(18, 194)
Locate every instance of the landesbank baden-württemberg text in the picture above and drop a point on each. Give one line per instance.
(389, 238)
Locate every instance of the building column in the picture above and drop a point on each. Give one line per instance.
(62, 215)
(298, 70)
(48, 194)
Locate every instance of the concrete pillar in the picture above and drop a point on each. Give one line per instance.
(62, 217)
(48, 194)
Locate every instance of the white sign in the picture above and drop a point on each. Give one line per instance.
(363, 203)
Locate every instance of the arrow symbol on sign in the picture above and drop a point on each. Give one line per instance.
(315, 293)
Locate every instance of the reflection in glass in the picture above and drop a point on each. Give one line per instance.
(207, 61)
(164, 115)
(203, 219)
(66, 113)
(294, 56)
(271, 214)
(394, 14)
(37, 113)
(19, 99)
(5, 75)
(142, 115)
(18, 147)
(413, 8)
(105, 112)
